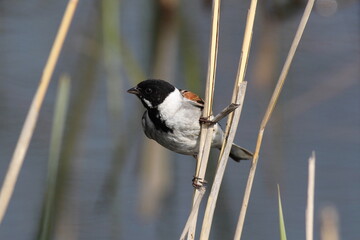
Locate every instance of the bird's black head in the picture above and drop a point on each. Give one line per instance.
(152, 92)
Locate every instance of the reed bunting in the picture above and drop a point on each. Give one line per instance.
(172, 118)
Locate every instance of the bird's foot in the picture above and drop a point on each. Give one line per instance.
(199, 182)
(226, 111)
(206, 120)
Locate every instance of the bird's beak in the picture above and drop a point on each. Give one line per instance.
(134, 90)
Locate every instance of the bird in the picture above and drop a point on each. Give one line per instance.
(173, 119)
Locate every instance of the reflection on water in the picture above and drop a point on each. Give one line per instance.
(319, 110)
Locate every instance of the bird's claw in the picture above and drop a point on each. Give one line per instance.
(205, 120)
(199, 182)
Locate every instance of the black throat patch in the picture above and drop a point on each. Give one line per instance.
(158, 122)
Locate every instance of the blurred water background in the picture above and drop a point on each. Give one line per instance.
(115, 184)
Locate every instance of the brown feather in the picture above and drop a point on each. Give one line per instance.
(192, 97)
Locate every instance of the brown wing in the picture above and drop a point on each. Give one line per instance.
(195, 99)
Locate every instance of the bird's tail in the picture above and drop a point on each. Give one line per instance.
(238, 153)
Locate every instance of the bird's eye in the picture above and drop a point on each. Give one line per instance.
(148, 90)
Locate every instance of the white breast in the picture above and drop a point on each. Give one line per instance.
(183, 118)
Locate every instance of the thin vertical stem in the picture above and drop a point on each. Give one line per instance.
(192, 213)
(207, 130)
(224, 156)
(267, 116)
(232, 123)
(310, 199)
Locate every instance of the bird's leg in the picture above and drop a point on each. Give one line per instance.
(226, 111)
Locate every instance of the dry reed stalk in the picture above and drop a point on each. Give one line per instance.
(232, 123)
(32, 116)
(267, 116)
(310, 199)
(245, 50)
(207, 130)
(193, 212)
(223, 158)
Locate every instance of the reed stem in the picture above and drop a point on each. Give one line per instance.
(310, 199)
(207, 130)
(223, 158)
(267, 116)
